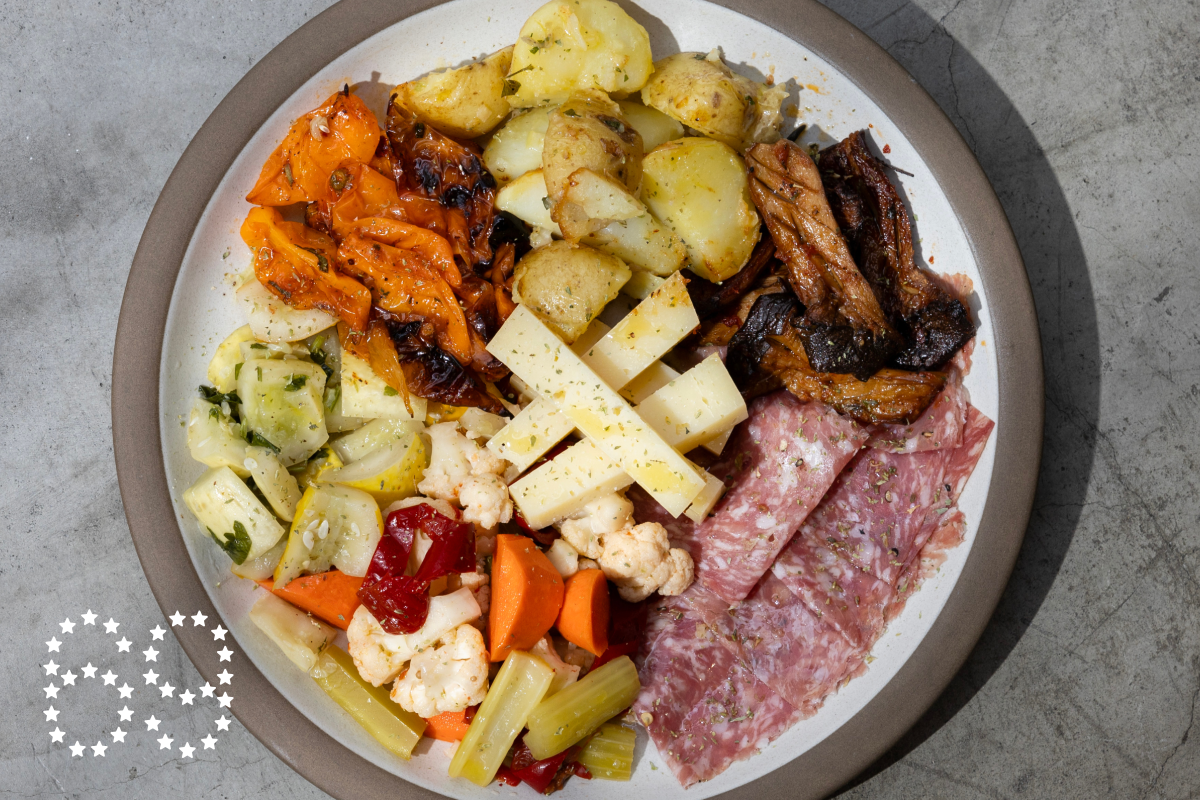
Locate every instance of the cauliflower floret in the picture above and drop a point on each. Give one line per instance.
(608, 514)
(380, 655)
(485, 500)
(449, 677)
(448, 463)
(577, 656)
(640, 561)
(563, 557)
(564, 674)
(587, 563)
(683, 572)
(478, 582)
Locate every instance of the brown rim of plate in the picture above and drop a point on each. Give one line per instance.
(856, 744)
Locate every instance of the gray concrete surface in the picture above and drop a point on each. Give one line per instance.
(1084, 115)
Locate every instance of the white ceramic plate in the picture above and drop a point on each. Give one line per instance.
(203, 312)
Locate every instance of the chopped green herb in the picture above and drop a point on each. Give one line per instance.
(511, 87)
(389, 391)
(236, 544)
(287, 174)
(216, 398)
(419, 130)
(237, 370)
(322, 261)
(339, 179)
(258, 440)
(295, 383)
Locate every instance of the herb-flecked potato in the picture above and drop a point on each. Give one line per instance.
(699, 188)
(642, 242)
(654, 126)
(578, 44)
(589, 132)
(703, 93)
(516, 148)
(568, 285)
(466, 102)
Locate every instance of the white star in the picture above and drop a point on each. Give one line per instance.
(225, 700)
(205, 691)
(67, 626)
(110, 678)
(222, 723)
(119, 736)
(187, 697)
(126, 714)
(219, 633)
(123, 645)
(126, 691)
(151, 677)
(157, 632)
(68, 678)
(198, 620)
(165, 742)
(53, 645)
(98, 749)
(224, 653)
(89, 671)
(187, 750)
(151, 654)
(89, 618)
(224, 676)
(51, 714)
(209, 742)
(57, 734)
(176, 619)
(51, 691)
(77, 750)
(152, 723)
(167, 690)
(111, 626)
(51, 668)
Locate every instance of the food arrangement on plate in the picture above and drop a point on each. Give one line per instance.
(574, 399)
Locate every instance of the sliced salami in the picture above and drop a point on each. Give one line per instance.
(941, 425)
(847, 598)
(778, 465)
(680, 530)
(946, 536)
(962, 460)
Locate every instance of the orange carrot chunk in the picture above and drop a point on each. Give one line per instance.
(450, 726)
(583, 620)
(331, 596)
(527, 593)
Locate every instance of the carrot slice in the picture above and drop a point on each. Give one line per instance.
(450, 726)
(332, 596)
(583, 620)
(527, 594)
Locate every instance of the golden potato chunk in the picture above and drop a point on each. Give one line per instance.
(466, 102)
(703, 93)
(568, 285)
(578, 44)
(642, 242)
(516, 148)
(699, 188)
(654, 126)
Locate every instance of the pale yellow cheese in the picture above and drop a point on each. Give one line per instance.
(530, 434)
(649, 381)
(695, 407)
(558, 488)
(713, 489)
(717, 445)
(657, 324)
(531, 350)
(366, 395)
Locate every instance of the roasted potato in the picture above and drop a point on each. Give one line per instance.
(703, 93)
(525, 199)
(588, 132)
(643, 242)
(466, 102)
(568, 285)
(578, 44)
(592, 201)
(699, 188)
(654, 126)
(516, 148)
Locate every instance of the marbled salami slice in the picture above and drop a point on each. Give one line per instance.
(680, 530)
(847, 598)
(778, 465)
(737, 717)
(962, 461)
(949, 533)
(783, 643)
(941, 425)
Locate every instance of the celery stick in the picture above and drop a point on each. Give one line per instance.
(574, 713)
(396, 729)
(609, 754)
(520, 685)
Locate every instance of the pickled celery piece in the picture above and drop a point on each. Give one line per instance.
(574, 713)
(373, 436)
(299, 635)
(394, 728)
(519, 687)
(609, 754)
